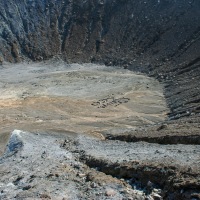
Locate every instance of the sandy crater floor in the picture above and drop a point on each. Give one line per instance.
(81, 98)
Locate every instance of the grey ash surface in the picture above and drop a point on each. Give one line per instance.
(42, 168)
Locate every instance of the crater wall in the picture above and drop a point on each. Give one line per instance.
(158, 37)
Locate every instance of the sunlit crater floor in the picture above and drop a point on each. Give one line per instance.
(77, 98)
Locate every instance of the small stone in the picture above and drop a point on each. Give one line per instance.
(150, 184)
(10, 185)
(156, 196)
(26, 187)
(163, 126)
(82, 175)
(110, 192)
(157, 191)
(93, 185)
(45, 196)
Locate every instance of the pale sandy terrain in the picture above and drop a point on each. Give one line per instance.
(76, 98)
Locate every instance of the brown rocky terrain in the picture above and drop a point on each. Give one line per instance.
(128, 135)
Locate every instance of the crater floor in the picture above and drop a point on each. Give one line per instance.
(81, 98)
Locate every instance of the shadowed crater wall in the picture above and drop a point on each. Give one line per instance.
(158, 37)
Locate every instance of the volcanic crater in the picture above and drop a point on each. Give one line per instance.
(100, 99)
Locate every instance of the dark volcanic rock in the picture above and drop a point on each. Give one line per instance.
(120, 32)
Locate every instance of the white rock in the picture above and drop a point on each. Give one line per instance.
(10, 185)
(156, 196)
(110, 192)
